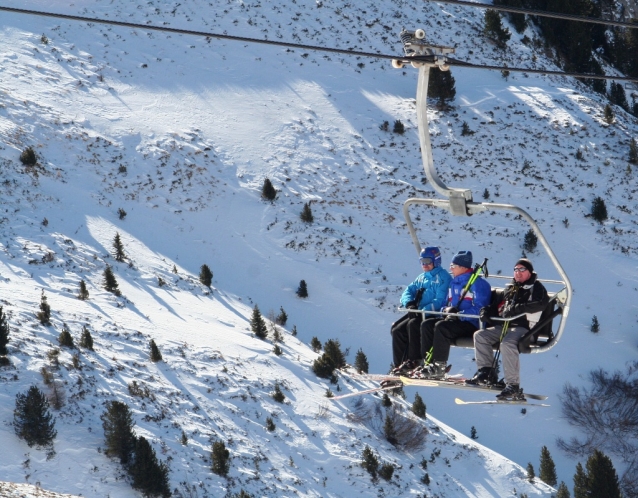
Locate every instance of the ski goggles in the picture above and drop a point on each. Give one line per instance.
(426, 261)
(520, 269)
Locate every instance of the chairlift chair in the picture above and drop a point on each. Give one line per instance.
(459, 202)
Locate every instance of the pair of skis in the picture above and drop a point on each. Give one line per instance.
(454, 382)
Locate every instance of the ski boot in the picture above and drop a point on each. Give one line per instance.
(512, 392)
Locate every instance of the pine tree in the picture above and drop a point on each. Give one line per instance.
(547, 469)
(389, 430)
(205, 275)
(277, 394)
(268, 192)
(602, 479)
(599, 209)
(441, 86)
(65, 338)
(220, 457)
(361, 362)
(28, 157)
(110, 283)
(617, 96)
(306, 213)
(44, 315)
(418, 406)
(530, 241)
(119, 248)
(332, 348)
(398, 127)
(609, 114)
(117, 423)
(494, 30)
(323, 367)
(386, 471)
(282, 317)
(84, 293)
(369, 461)
(315, 344)
(32, 420)
(595, 326)
(149, 475)
(258, 324)
(633, 151)
(155, 352)
(302, 290)
(473, 434)
(4, 333)
(86, 341)
(562, 491)
(580, 483)
(386, 402)
(530, 472)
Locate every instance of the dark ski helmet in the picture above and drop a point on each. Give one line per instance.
(433, 253)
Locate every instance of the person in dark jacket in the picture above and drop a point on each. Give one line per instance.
(427, 292)
(525, 295)
(438, 334)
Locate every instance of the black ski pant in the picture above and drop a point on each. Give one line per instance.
(406, 338)
(437, 335)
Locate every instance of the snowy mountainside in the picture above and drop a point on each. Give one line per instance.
(180, 132)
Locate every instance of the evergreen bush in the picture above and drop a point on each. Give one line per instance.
(4, 333)
(149, 475)
(398, 127)
(155, 352)
(385, 126)
(205, 275)
(84, 293)
(302, 290)
(65, 339)
(44, 315)
(465, 129)
(121, 213)
(315, 344)
(530, 472)
(277, 394)
(441, 86)
(282, 317)
(361, 362)
(609, 114)
(369, 461)
(332, 348)
(599, 209)
(473, 434)
(32, 420)
(306, 213)
(389, 430)
(494, 30)
(277, 350)
(117, 423)
(530, 241)
(258, 324)
(110, 283)
(86, 341)
(28, 157)
(386, 471)
(220, 457)
(323, 367)
(418, 406)
(118, 248)
(595, 325)
(268, 192)
(270, 425)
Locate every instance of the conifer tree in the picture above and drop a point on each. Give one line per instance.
(389, 431)
(84, 292)
(268, 192)
(119, 248)
(369, 461)
(332, 348)
(580, 483)
(386, 402)
(258, 324)
(602, 479)
(4, 333)
(149, 475)
(562, 491)
(530, 241)
(441, 86)
(418, 406)
(86, 340)
(494, 30)
(599, 209)
(28, 157)
(315, 344)
(65, 338)
(117, 423)
(110, 283)
(306, 213)
(282, 317)
(633, 151)
(32, 420)
(323, 367)
(547, 469)
(609, 114)
(595, 325)
(398, 127)
(44, 315)
(530, 472)
(220, 457)
(473, 434)
(277, 394)
(361, 362)
(302, 290)
(617, 96)
(205, 275)
(155, 352)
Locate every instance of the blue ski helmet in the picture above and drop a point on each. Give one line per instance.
(433, 253)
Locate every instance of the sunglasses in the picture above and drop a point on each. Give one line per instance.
(426, 261)
(520, 270)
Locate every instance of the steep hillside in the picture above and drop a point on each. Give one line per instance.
(179, 132)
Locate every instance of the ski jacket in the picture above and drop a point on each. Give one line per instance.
(477, 296)
(529, 297)
(434, 284)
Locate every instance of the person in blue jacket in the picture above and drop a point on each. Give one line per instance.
(437, 334)
(427, 292)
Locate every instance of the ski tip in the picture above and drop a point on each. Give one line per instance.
(459, 401)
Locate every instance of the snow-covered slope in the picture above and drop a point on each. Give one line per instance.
(179, 132)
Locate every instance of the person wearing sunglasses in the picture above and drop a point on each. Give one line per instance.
(438, 333)
(524, 295)
(427, 292)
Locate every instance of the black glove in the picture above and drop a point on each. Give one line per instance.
(450, 309)
(509, 310)
(411, 305)
(485, 317)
